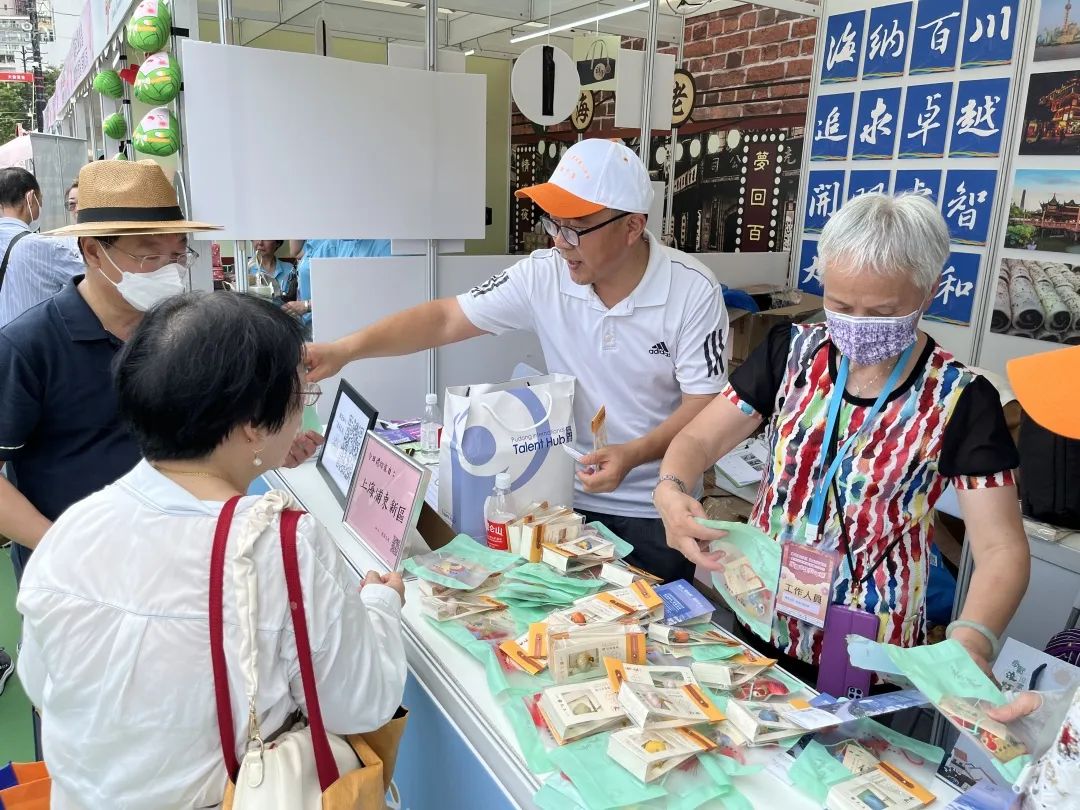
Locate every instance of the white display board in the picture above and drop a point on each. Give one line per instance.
(485, 359)
(630, 78)
(348, 294)
(371, 152)
(402, 54)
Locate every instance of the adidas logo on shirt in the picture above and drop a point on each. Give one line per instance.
(660, 348)
(492, 283)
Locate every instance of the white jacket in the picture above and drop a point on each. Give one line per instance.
(116, 649)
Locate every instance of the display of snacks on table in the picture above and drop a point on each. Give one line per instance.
(661, 697)
(691, 636)
(883, 788)
(649, 754)
(445, 608)
(588, 550)
(733, 672)
(764, 723)
(580, 653)
(530, 532)
(638, 603)
(622, 574)
(573, 711)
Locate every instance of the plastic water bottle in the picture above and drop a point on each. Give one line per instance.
(429, 430)
(499, 509)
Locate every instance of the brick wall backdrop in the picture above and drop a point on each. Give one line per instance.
(747, 65)
(752, 72)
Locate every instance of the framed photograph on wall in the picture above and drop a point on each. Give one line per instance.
(384, 504)
(350, 420)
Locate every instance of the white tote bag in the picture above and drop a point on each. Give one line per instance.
(518, 427)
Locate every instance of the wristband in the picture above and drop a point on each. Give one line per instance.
(981, 629)
(678, 482)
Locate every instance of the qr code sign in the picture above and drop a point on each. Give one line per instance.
(349, 449)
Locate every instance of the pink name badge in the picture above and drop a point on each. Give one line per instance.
(806, 579)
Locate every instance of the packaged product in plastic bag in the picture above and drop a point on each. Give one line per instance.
(962, 692)
(750, 575)
(462, 563)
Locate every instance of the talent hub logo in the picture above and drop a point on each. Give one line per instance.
(542, 441)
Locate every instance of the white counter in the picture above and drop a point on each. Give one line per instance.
(457, 683)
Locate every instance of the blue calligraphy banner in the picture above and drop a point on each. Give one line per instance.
(990, 33)
(843, 47)
(868, 181)
(956, 289)
(979, 118)
(832, 126)
(877, 124)
(887, 40)
(824, 195)
(926, 121)
(919, 181)
(936, 36)
(966, 203)
(809, 270)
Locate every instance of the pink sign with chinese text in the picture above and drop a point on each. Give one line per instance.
(384, 504)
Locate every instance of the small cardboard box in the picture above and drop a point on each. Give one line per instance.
(748, 329)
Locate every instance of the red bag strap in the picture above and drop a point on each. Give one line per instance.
(325, 764)
(217, 638)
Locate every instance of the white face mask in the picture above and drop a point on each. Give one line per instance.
(35, 221)
(143, 290)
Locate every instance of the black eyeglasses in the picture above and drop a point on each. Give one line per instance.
(572, 236)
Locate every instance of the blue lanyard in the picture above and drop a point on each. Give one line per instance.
(821, 493)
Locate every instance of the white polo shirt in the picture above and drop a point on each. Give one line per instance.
(666, 339)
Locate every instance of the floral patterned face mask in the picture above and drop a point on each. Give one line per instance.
(867, 341)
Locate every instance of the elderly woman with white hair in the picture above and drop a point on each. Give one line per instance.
(869, 421)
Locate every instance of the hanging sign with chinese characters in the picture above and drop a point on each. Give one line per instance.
(583, 113)
(759, 192)
(899, 110)
(683, 97)
(384, 504)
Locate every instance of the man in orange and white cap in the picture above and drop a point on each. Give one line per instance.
(641, 326)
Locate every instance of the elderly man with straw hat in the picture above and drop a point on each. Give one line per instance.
(61, 437)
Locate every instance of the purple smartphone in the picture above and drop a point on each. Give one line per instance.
(836, 674)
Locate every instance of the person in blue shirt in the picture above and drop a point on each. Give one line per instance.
(37, 266)
(328, 249)
(281, 273)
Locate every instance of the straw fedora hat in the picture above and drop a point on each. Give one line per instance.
(127, 198)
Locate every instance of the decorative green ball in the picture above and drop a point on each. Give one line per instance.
(115, 127)
(158, 133)
(119, 156)
(109, 84)
(149, 26)
(158, 81)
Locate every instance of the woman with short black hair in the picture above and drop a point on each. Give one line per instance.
(115, 599)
